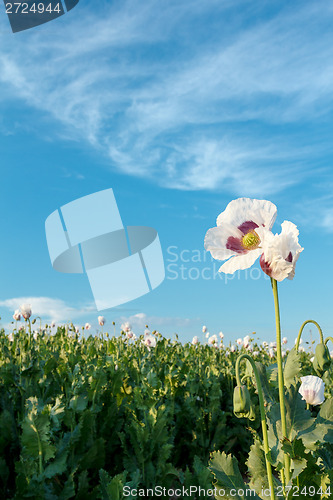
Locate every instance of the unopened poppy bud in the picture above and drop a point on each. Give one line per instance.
(242, 401)
(322, 359)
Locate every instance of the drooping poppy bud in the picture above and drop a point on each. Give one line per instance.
(242, 401)
(322, 359)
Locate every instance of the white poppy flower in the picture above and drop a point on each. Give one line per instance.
(280, 251)
(284, 340)
(101, 320)
(255, 353)
(87, 326)
(271, 353)
(312, 359)
(232, 348)
(195, 340)
(212, 340)
(312, 390)
(53, 324)
(239, 341)
(221, 335)
(17, 315)
(265, 344)
(35, 335)
(126, 327)
(204, 329)
(150, 341)
(26, 311)
(129, 335)
(284, 353)
(236, 233)
(11, 337)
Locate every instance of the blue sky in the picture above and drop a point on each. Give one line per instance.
(180, 107)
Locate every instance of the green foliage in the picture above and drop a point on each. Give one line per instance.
(228, 479)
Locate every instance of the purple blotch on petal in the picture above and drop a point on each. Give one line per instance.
(265, 265)
(235, 244)
(289, 258)
(247, 226)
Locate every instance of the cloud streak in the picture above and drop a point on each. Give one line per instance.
(190, 96)
(49, 309)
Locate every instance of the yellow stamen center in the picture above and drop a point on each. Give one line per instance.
(251, 240)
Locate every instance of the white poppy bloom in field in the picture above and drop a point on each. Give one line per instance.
(284, 340)
(53, 324)
(101, 320)
(246, 341)
(312, 390)
(212, 340)
(232, 348)
(204, 329)
(17, 315)
(126, 327)
(87, 326)
(271, 353)
(239, 341)
(26, 311)
(195, 340)
(207, 335)
(312, 359)
(221, 335)
(255, 353)
(150, 341)
(236, 235)
(265, 344)
(11, 337)
(280, 251)
(35, 335)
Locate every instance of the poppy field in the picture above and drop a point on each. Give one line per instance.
(84, 417)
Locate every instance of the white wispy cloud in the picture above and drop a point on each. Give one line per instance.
(49, 309)
(167, 95)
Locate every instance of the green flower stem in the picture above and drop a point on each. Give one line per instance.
(302, 328)
(286, 474)
(328, 338)
(262, 416)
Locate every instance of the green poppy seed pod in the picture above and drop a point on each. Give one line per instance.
(322, 359)
(242, 401)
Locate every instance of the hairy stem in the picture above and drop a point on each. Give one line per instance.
(262, 416)
(302, 328)
(286, 474)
